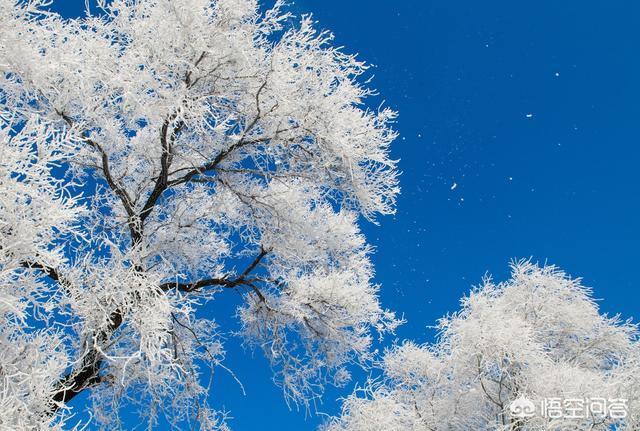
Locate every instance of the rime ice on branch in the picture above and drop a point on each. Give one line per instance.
(538, 337)
(155, 155)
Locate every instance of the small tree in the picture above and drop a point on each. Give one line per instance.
(534, 342)
(162, 153)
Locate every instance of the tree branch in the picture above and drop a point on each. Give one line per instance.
(120, 191)
(89, 372)
(50, 272)
(243, 279)
(165, 163)
(223, 154)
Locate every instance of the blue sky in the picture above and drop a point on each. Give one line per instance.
(531, 110)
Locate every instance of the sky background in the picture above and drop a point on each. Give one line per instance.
(530, 109)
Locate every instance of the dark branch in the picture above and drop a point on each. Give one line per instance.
(119, 190)
(167, 140)
(213, 164)
(241, 280)
(50, 272)
(88, 374)
(190, 287)
(256, 262)
(223, 154)
(187, 79)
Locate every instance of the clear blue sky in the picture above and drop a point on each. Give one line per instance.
(532, 109)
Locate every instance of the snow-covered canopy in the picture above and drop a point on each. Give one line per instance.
(159, 153)
(536, 340)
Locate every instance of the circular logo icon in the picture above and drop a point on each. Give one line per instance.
(522, 407)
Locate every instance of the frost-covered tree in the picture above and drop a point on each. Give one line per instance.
(529, 354)
(155, 155)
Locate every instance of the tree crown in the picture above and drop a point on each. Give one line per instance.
(156, 155)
